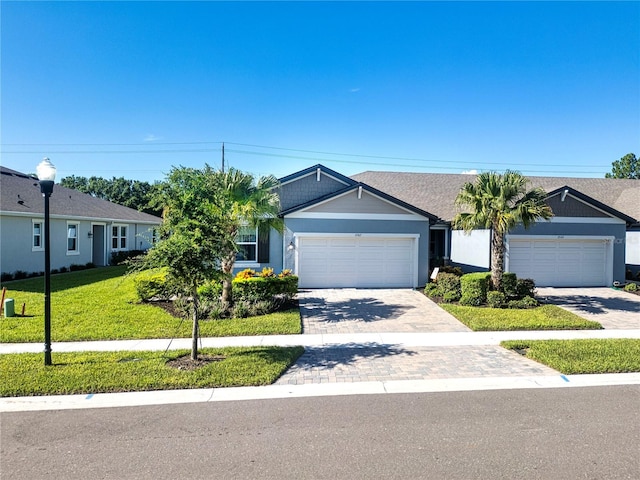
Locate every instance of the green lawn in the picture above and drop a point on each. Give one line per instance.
(619, 355)
(99, 372)
(545, 317)
(100, 304)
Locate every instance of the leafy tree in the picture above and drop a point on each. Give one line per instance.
(190, 237)
(627, 167)
(130, 193)
(203, 211)
(499, 202)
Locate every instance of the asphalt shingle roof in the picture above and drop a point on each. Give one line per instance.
(20, 193)
(436, 192)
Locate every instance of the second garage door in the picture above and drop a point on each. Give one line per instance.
(560, 262)
(356, 261)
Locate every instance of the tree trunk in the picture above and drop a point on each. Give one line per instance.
(497, 259)
(227, 293)
(195, 332)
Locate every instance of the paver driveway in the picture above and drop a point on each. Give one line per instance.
(350, 312)
(614, 309)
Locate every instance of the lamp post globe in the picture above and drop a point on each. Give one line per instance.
(46, 172)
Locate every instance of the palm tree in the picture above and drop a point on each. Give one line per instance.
(499, 202)
(244, 201)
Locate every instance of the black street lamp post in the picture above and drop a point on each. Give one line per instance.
(47, 175)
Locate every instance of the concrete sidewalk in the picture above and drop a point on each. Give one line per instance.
(356, 364)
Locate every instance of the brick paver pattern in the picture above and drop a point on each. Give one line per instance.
(354, 311)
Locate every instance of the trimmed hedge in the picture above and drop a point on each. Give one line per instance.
(265, 288)
(474, 288)
(151, 283)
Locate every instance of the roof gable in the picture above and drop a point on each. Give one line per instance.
(310, 184)
(568, 202)
(358, 200)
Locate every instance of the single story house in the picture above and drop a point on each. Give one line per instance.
(84, 229)
(388, 229)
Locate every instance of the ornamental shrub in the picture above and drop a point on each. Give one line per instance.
(449, 269)
(267, 272)
(474, 287)
(631, 287)
(151, 283)
(496, 299)
(265, 288)
(210, 291)
(446, 287)
(509, 283)
(526, 302)
(525, 287)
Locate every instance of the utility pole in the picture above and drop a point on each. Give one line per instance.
(222, 157)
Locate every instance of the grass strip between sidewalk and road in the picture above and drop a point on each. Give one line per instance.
(24, 374)
(544, 317)
(101, 304)
(582, 356)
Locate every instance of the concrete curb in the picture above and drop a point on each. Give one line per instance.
(165, 397)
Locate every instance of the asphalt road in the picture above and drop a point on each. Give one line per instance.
(571, 433)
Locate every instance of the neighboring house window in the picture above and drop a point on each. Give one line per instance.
(38, 236)
(247, 241)
(72, 238)
(119, 237)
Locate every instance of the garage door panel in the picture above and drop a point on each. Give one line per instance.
(356, 262)
(560, 262)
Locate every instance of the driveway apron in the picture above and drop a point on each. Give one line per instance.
(353, 311)
(614, 309)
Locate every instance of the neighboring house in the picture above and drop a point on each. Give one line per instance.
(386, 229)
(593, 233)
(84, 229)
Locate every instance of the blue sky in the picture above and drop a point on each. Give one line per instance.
(132, 88)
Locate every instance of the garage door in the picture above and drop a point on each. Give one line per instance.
(560, 262)
(361, 262)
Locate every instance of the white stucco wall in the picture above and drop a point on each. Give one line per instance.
(471, 249)
(632, 250)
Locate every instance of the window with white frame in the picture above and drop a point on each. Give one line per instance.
(37, 238)
(72, 238)
(118, 237)
(247, 242)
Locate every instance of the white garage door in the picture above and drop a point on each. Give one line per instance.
(560, 262)
(361, 262)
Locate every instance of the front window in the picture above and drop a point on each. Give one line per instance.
(247, 241)
(119, 237)
(37, 237)
(72, 238)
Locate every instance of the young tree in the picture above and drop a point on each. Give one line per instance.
(499, 202)
(190, 237)
(627, 167)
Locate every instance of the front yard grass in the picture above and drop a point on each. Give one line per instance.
(24, 374)
(544, 317)
(100, 304)
(615, 355)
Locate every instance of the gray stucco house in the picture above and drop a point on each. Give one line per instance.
(83, 228)
(388, 229)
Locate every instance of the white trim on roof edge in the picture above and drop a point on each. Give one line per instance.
(314, 172)
(74, 217)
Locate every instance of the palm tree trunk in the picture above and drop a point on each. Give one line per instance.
(497, 259)
(227, 293)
